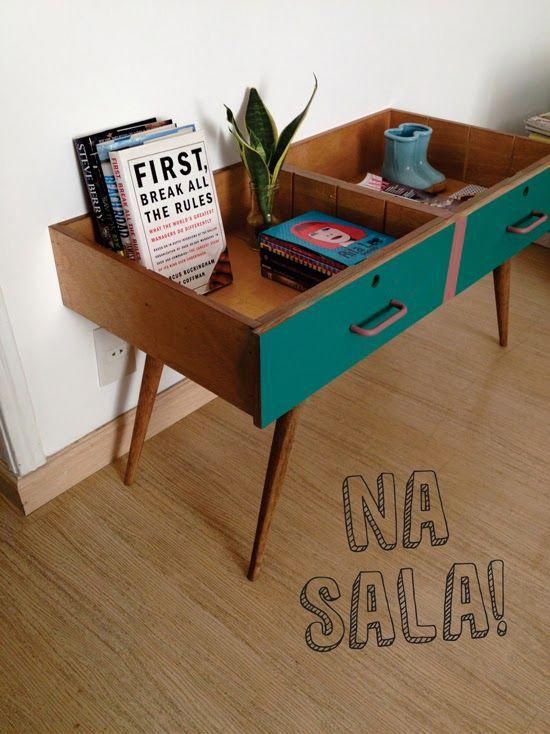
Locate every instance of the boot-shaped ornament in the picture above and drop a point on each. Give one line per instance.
(406, 158)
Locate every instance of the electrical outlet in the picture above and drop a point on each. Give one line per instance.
(115, 357)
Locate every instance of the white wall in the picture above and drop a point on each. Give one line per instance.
(71, 67)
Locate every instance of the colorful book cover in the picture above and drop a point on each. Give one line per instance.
(119, 143)
(331, 237)
(169, 199)
(102, 215)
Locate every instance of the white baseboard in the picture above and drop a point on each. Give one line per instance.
(19, 437)
(98, 449)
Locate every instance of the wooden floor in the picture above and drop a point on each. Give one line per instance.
(128, 610)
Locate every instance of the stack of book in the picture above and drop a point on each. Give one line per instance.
(538, 127)
(314, 246)
(152, 198)
(109, 231)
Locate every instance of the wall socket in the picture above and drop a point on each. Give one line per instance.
(115, 357)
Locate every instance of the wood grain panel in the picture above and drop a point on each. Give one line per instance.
(8, 486)
(332, 153)
(211, 345)
(370, 145)
(233, 190)
(284, 195)
(345, 152)
(399, 116)
(360, 208)
(401, 220)
(489, 156)
(312, 193)
(249, 294)
(448, 146)
(527, 152)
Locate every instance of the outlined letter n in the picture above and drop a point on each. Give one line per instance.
(362, 510)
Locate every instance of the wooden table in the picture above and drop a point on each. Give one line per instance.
(264, 347)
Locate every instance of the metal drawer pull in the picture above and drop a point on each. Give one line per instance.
(542, 217)
(401, 311)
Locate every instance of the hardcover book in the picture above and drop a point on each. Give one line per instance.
(128, 141)
(170, 204)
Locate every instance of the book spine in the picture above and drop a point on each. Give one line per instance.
(118, 210)
(281, 253)
(307, 277)
(122, 184)
(284, 279)
(308, 255)
(102, 216)
(294, 267)
(105, 201)
(101, 228)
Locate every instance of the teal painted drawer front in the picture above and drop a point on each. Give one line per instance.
(487, 244)
(312, 347)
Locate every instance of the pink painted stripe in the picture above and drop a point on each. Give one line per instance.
(456, 257)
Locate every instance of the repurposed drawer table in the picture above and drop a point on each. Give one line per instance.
(264, 347)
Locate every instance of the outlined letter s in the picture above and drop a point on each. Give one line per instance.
(327, 633)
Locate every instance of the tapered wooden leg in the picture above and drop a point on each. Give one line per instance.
(274, 478)
(147, 394)
(501, 277)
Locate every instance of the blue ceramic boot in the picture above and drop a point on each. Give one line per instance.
(405, 158)
(424, 135)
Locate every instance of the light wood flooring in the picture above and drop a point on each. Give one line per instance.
(127, 610)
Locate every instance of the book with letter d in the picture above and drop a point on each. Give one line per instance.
(169, 200)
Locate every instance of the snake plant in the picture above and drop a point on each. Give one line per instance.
(264, 152)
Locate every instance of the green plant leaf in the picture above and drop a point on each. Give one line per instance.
(259, 172)
(260, 123)
(232, 121)
(284, 141)
(241, 141)
(252, 158)
(256, 143)
(241, 147)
